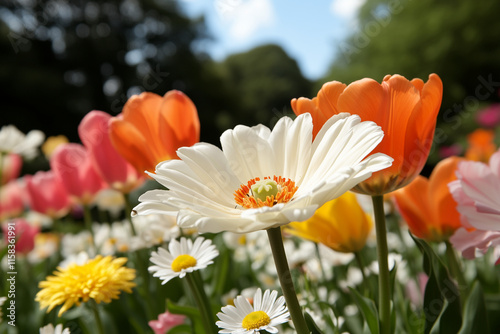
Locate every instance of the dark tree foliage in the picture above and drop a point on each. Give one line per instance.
(458, 40)
(62, 59)
(265, 79)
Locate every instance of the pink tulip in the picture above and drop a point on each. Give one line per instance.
(165, 322)
(72, 165)
(11, 167)
(47, 194)
(24, 234)
(115, 170)
(11, 200)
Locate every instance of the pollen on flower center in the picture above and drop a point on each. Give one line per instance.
(263, 188)
(268, 192)
(255, 320)
(183, 261)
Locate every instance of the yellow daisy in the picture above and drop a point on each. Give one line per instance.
(101, 278)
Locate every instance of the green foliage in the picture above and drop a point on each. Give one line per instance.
(265, 79)
(368, 309)
(442, 297)
(458, 40)
(475, 316)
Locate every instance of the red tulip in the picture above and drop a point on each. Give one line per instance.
(73, 166)
(47, 194)
(24, 234)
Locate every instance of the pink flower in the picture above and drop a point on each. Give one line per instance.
(489, 117)
(11, 200)
(73, 166)
(24, 234)
(11, 167)
(165, 322)
(47, 194)
(112, 167)
(477, 193)
(468, 242)
(448, 151)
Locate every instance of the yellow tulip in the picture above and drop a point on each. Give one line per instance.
(340, 224)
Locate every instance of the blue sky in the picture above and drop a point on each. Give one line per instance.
(307, 30)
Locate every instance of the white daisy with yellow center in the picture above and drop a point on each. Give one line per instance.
(262, 178)
(182, 257)
(243, 318)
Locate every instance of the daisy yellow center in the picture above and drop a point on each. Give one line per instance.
(183, 261)
(255, 320)
(267, 192)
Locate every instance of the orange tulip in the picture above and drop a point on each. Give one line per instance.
(151, 128)
(427, 205)
(481, 145)
(406, 111)
(340, 224)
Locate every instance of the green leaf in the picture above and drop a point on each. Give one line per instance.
(188, 311)
(475, 316)
(441, 297)
(311, 324)
(221, 272)
(180, 329)
(368, 309)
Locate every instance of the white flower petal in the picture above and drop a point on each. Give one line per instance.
(202, 186)
(163, 259)
(232, 316)
(250, 155)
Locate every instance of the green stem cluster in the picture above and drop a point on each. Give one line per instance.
(128, 213)
(384, 290)
(455, 267)
(97, 316)
(285, 278)
(196, 285)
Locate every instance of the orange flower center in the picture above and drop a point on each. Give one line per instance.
(269, 192)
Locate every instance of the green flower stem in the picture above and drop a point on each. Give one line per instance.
(318, 255)
(384, 289)
(97, 316)
(359, 261)
(87, 218)
(455, 266)
(276, 241)
(196, 285)
(128, 213)
(141, 259)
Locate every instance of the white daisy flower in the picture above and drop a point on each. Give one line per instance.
(243, 318)
(49, 329)
(182, 257)
(262, 178)
(13, 140)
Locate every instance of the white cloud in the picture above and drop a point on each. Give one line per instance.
(245, 17)
(347, 9)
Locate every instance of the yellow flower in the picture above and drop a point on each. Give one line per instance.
(340, 224)
(52, 143)
(101, 278)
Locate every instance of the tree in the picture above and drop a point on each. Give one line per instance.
(265, 79)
